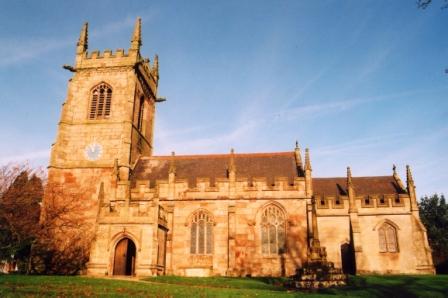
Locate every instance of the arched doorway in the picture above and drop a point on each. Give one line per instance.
(348, 258)
(124, 259)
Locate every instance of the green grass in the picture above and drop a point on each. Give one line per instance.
(173, 286)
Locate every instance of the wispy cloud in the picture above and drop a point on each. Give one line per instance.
(18, 51)
(25, 48)
(251, 121)
(209, 144)
(359, 144)
(27, 156)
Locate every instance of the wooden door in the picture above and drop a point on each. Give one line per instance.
(121, 251)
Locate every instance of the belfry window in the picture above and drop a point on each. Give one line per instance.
(141, 111)
(100, 102)
(273, 231)
(201, 233)
(387, 235)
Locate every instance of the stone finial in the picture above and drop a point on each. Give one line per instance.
(298, 156)
(411, 190)
(397, 178)
(307, 160)
(409, 179)
(136, 40)
(172, 169)
(349, 177)
(155, 66)
(82, 44)
(232, 166)
(351, 193)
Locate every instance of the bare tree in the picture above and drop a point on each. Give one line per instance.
(21, 192)
(65, 234)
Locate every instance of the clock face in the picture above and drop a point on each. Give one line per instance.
(93, 151)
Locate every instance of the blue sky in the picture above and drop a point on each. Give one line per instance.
(361, 83)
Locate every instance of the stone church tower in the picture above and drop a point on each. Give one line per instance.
(107, 119)
(234, 214)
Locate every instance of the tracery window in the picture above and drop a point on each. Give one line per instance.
(273, 231)
(388, 238)
(201, 233)
(100, 102)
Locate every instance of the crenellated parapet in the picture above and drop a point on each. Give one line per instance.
(257, 187)
(97, 60)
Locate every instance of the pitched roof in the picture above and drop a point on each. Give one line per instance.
(362, 185)
(191, 167)
(251, 165)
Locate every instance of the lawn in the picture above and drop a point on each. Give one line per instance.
(172, 286)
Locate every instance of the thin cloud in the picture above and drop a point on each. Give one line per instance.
(209, 144)
(18, 51)
(358, 144)
(27, 156)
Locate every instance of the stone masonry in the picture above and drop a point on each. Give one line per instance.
(235, 214)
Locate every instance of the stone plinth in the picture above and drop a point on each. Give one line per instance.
(319, 274)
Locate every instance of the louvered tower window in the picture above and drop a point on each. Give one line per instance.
(273, 231)
(100, 103)
(201, 234)
(388, 238)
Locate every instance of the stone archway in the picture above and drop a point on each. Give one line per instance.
(348, 258)
(124, 258)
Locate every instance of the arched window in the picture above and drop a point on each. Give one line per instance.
(100, 102)
(387, 235)
(273, 230)
(201, 233)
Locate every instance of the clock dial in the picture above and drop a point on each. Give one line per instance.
(93, 151)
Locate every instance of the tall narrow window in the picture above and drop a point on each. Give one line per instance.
(100, 103)
(201, 233)
(387, 235)
(273, 231)
(141, 111)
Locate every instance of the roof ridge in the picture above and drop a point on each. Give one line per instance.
(354, 177)
(220, 155)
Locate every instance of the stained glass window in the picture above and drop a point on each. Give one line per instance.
(201, 233)
(388, 238)
(273, 231)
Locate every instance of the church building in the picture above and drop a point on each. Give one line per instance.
(233, 214)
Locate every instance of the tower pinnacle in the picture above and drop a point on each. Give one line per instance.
(136, 40)
(155, 67)
(83, 39)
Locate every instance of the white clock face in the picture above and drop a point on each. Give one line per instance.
(93, 151)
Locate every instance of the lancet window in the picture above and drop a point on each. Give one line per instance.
(100, 102)
(141, 112)
(201, 233)
(273, 231)
(388, 238)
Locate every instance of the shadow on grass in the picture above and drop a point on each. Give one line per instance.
(393, 286)
(259, 283)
